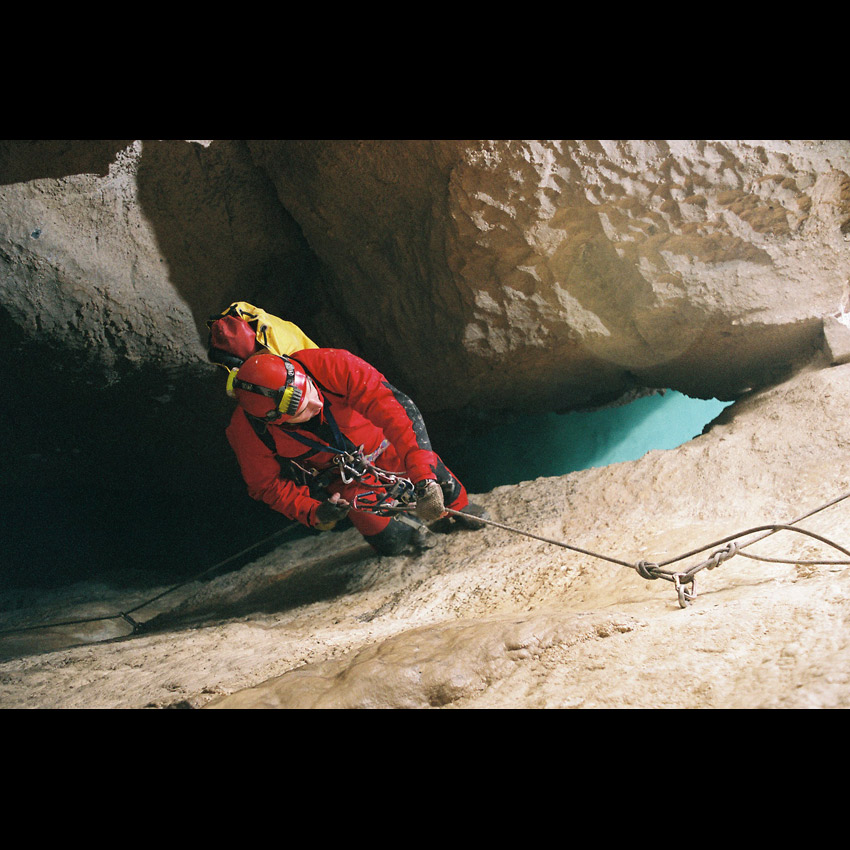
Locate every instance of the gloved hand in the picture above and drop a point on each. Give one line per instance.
(429, 500)
(330, 512)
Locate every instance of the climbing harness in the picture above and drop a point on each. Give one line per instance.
(389, 493)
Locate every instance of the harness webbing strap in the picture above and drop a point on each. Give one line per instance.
(350, 462)
(341, 446)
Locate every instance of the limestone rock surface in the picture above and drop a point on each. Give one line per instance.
(551, 272)
(556, 272)
(495, 619)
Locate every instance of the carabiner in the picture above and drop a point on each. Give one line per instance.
(685, 596)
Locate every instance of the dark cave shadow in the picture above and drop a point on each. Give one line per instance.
(224, 233)
(22, 160)
(321, 579)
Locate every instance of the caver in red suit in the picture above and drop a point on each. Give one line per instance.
(295, 411)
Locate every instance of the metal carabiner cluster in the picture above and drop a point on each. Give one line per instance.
(396, 492)
(395, 496)
(352, 466)
(686, 596)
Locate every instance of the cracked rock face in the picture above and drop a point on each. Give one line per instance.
(481, 276)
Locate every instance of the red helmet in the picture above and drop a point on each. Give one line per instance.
(269, 387)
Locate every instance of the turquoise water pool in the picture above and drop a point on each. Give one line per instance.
(555, 444)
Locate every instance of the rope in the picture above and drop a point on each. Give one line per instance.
(560, 543)
(801, 561)
(349, 464)
(125, 615)
(684, 580)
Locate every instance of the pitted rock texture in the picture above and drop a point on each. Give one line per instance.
(554, 272)
(509, 272)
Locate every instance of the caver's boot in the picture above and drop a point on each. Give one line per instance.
(403, 534)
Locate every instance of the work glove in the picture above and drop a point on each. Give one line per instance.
(429, 500)
(330, 512)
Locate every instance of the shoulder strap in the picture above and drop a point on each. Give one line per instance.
(262, 432)
(289, 467)
(340, 443)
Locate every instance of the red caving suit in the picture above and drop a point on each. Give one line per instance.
(368, 412)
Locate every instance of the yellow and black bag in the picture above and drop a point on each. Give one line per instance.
(242, 330)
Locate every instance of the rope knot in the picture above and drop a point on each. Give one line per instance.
(722, 555)
(646, 569)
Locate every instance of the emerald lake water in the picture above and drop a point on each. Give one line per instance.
(555, 444)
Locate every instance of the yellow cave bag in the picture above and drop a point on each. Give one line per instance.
(235, 332)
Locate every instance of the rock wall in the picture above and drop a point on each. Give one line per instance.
(546, 272)
(482, 276)
(557, 273)
(120, 260)
(112, 256)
